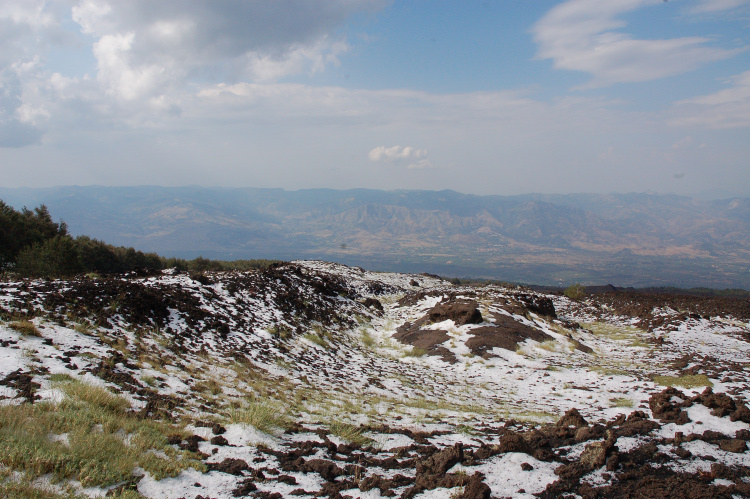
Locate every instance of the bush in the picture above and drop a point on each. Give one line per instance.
(575, 291)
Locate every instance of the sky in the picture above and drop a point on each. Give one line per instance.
(484, 97)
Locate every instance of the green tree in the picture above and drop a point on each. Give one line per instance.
(56, 257)
(20, 230)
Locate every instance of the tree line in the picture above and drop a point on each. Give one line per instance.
(32, 244)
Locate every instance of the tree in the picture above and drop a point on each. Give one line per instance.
(20, 230)
(56, 257)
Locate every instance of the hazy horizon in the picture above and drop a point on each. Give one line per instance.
(706, 195)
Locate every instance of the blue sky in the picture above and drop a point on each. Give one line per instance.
(491, 97)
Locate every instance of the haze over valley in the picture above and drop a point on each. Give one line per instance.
(621, 239)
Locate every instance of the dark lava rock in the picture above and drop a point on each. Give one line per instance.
(384, 484)
(741, 414)
(373, 303)
(23, 382)
(475, 488)
(328, 470)
(244, 488)
(589, 433)
(513, 442)
(229, 465)
(505, 333)
(637, 423)
(440, 462)
(541, 305)
(735, 445)
(459, 311)
(572, 418)
(191, 443)
(720, 404)
(219, 440)
(667, 410)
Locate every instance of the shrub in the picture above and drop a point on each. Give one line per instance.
(575, 291)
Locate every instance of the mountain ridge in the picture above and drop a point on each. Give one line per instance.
(628, 239)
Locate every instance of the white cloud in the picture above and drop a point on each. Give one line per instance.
(585, 35)
(727, 108)
(140, 62)
(711, 6)
(407, 155)
(165, 44)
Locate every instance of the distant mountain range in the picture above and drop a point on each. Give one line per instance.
(623, 239)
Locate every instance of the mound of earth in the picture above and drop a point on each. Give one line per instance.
(501, 330)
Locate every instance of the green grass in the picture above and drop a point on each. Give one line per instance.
(689, 381)
(96, 424)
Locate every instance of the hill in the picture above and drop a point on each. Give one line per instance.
(624, 239)
(310, 379)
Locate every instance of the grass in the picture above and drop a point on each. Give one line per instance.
(367, 340)
(537, 416)
(319, 337)
(263, 414)
(105, 443)
(209, 385)
(609, 371)
(688, 381)
(621, 402)
(24, 490)
(280, 331)
(350, 433)
(631, 334)
(84, 328)
(415, 352)
(549, 345)
(26, 328)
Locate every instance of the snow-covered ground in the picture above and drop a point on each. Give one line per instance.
(346, 408)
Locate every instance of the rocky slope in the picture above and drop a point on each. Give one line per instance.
(313, 379)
